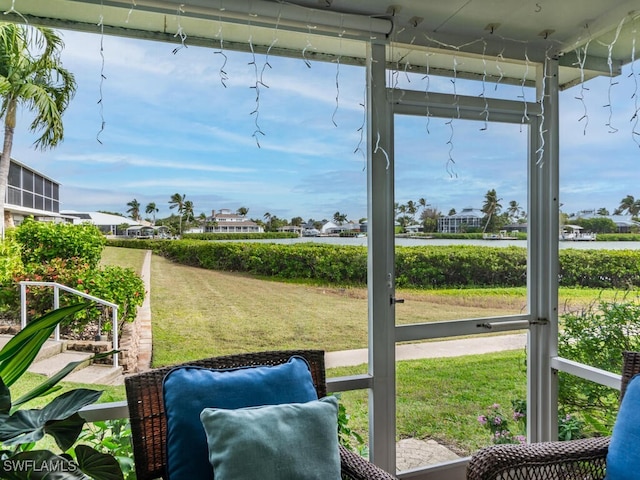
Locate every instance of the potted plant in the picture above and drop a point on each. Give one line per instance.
(20, 427)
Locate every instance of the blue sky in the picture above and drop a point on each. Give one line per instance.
(170, 125)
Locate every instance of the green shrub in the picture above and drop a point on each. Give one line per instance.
(10, 260)
(44, 241)
(114, 284)
(597, 336)
(69, 255)
(453, 266)
(238, 236)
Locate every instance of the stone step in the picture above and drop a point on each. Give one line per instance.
(54, 364)
(49, 349)
(97, 374)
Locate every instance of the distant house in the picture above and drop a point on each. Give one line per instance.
(30, 193)
(330, 228)
(291, 229)
(414, 228)
(624, 223)
(224, 221)
(107, 223)
(468, 218)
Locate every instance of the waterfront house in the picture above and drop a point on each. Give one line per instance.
(107, 223)
(225, 221)
(30, 193)
(460, 222)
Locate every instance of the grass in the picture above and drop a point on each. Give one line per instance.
(441, 398)
(198, 313)
(124, 257)
(111, 393)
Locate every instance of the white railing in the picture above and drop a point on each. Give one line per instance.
(56, 304)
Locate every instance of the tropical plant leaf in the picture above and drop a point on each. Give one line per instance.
(26, 426)
(5, 398)
(99, 466)
(65, 431)
(41, 465)
(20, 352)
(47, 386)
(23, 426)
(68, 403)
(49, 320)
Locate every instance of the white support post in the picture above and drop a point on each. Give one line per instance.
(23, 305)
(380, 264)
(543, 260)
(56, 305)
(114, 329)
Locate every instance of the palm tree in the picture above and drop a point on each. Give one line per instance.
(134, 209)
(491, 207)
(267, 221)
(411, 208)
(31, 75)
(202, 221)
(151, 209)
(242, 211)
(513, 210)
(626, 204)
(339, 218)
(187, 211)
(177, 201)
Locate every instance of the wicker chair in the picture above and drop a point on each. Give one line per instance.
(149, 427)
(572, 460)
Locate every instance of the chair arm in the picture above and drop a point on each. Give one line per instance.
(354, 467)
(575, 459)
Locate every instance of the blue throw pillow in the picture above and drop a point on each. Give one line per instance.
(297, 441)
(189, 390)
(623, 458)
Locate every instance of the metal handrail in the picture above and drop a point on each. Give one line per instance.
(56, 304)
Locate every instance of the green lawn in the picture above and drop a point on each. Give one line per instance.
(198, 313)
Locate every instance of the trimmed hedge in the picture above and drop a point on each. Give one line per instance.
(238, 236)
(416, 267)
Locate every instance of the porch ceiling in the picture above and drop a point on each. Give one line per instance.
(497, 38)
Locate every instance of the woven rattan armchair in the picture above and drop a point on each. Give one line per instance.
(572, 460)
(149, 426)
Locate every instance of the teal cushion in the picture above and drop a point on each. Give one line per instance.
(188, 390)
(296, 441)
(623, 458)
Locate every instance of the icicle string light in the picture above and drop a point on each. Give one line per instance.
(102, 78)
(499, 58)
(384, 152)
(180, 32)
(361, 130)
(525, 115)
(133, 5)
(256, 111)
(221, 71)
(634, 118)
(581, 53)
(274, 40)
(220, 34)
(450, 161)
(485, 111)
(12, 9)
(308, 46)
(426, 92)
(610, 46)
(335, 111)
(541, 130)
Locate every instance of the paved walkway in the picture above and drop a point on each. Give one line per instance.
(435, 349)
